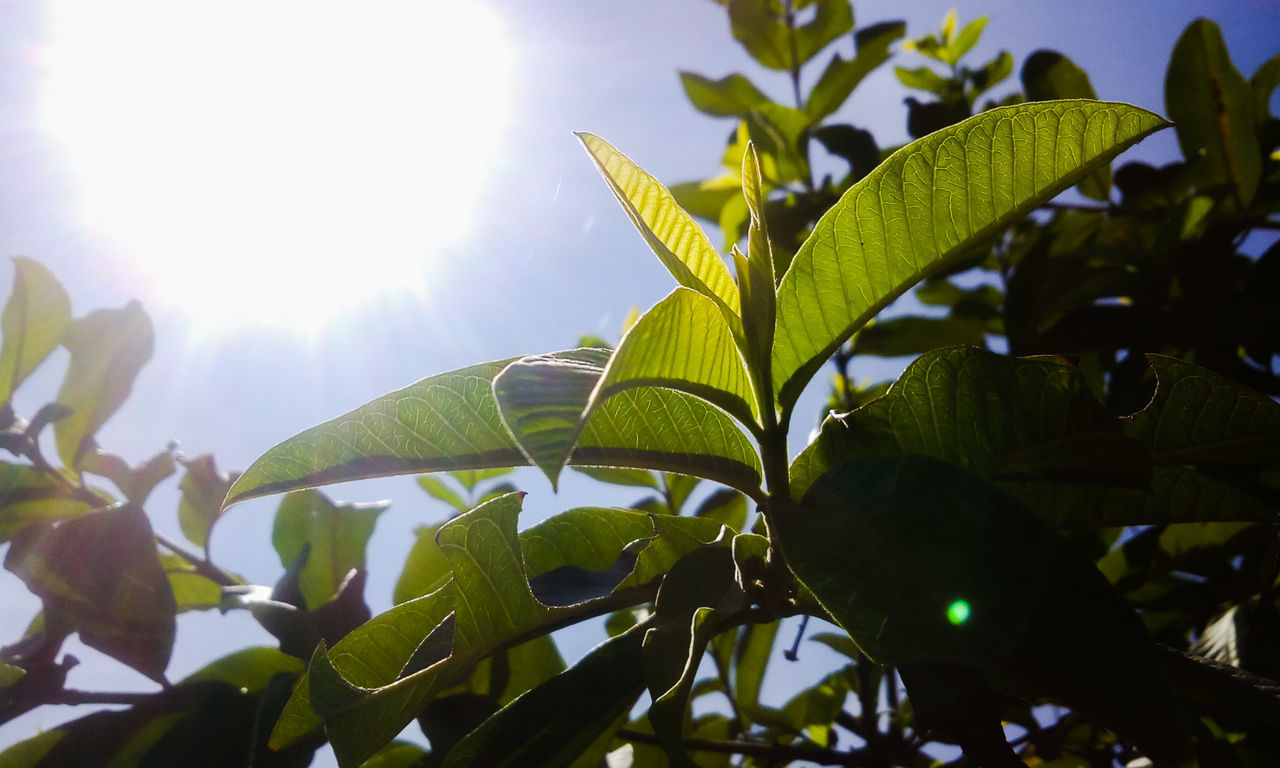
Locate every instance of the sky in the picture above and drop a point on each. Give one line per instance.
(541, 255)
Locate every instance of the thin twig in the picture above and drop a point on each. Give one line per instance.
(74, 696)
(203, 567)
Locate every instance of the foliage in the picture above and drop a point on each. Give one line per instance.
(1076, 523)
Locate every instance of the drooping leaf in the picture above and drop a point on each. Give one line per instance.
(100, 575)
(730, 96)
(1027, 420)
(560, 721)
(923, 562)
(841, 77)
(108, 347)
(678, 241)
(1212, 105)
(900, 224)
(34, 320)
(203, 488)
(544, 398)
(444, 422)
(29, 496)
(336, 533)
(1048, 75)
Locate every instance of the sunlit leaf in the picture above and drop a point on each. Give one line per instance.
(730, 96)
(561, 720)
(1048, 75)
(35, 317)
(903, 221)
(762, 32)
(108, 347)
(1212, 105)
(437, 489)
(426, 568)
(544, 397)
(443, 422)
(964, 41)
(100, 575)
(678, 241)
(203, 488)
(398, 754)
(28, 496)
(757, 280)
(192, 591)
(725, 506)
(248, 668)
(336, 533)
(841, 77)
(832, 18)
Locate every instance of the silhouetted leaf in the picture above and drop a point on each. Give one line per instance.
(1048, 75)
(29, 496)
(35, 317)
(99, 574)
(898, 225)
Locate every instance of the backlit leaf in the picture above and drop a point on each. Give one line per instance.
(35, 317)
(29, 496)
(674, 236)
(426, 568)
(444, 422)
(108, 347)
(730, 96)
(203, 488)
(1048, 75)
(1212, 105)
(926, 206)
(337, 534)
(841, 77)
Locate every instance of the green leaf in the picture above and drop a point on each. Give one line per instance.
(136, 482)
(637, 478)
(725, 506)
(683, 343)
(832, 19)
(841, 77)
(249, 669)
(34, 320)
(1048, 75)
(1199, 417)
(900, 224)
(1022, 419)
(780, 135)
(1264, 83)
(336, 533)
(990, 75)
(561, 720)
(1212, 105)
(707, 199)
(100, 576)
(923, 79)
(108, 347)
(750, 660)
(692, 605)
(29, 753)
(444, 422)
(678, 241)
(890, 547)
(546, 403)
(436, 489)
(426, 568)
(912, 335)
(730, 96)
(398, 754)
(762, 32)
(10, 674)
(203, 488)
(964, 42)
(757, 279)
(29, 496)
(191, 590)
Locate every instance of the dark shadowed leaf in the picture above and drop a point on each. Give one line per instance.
(100, 575)
(912, 335)
(203, 488)
(108, 347)
(35, 317)
(558, 722)
(897, 226)
(29, 496)
(1212, 105)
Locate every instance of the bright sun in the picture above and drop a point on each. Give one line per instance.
(276, 161)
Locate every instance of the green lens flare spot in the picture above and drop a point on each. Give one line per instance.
(958, 612)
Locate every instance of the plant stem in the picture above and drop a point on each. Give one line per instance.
(203, 567)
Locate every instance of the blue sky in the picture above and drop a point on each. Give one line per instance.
(550, 257)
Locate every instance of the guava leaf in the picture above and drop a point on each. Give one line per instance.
(926, 206)
(34, 320)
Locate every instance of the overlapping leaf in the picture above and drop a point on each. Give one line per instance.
(546, 402)
(335, 535)
(730, 96)
(674, 236)
(443, 422)
(1049, 75)
(841, 77)
(925, 206)
(28, 496)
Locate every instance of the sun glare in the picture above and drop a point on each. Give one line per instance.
(276, 161)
